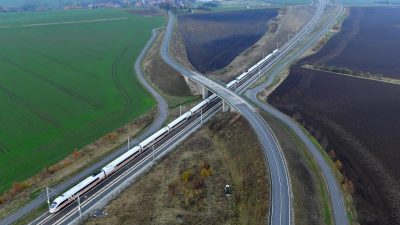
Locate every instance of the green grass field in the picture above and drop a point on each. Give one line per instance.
(63, 85)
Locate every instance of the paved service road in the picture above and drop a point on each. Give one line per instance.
(162, 104)
(157, 123)
(281, 207)
(338, 207)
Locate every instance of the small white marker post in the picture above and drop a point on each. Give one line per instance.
(48, 197)
(128, 142)
(180, 110)
(79, 207)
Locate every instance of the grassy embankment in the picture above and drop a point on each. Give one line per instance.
(167, 81)
(186, 187)
(353, 73)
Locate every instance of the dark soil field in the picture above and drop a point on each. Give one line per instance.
(360, 120)
(213, 40)
(369, 41)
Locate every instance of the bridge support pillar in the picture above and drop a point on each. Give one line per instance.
(205, 92)
(225, 106)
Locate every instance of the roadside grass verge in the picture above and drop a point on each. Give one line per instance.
(348, 199)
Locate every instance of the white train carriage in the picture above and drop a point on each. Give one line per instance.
(256, 65)
(231, 84)
(241, 77)
(212, 98)
(154, 138)
(121, 161)
(177, 122)
(199, 106)
(78, 190)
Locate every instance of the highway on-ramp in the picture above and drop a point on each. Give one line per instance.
(281, 205)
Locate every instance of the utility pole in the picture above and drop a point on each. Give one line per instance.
(48, 197)
(79, 207)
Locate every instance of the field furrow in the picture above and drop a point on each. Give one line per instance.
(56, 85)
(65, 85)
(38, 112)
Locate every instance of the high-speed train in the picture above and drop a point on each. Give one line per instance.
(247, 74)
(91, 181)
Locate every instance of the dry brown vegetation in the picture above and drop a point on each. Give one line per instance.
(178, 50)
(186, 187)
(166, 79)
(23, 192)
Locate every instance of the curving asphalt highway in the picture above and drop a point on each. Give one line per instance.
(156, 124)
(339, 212)
(281, 207)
